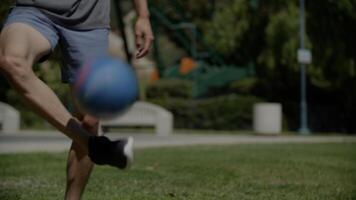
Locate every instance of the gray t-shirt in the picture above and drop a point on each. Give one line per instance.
(77, 14)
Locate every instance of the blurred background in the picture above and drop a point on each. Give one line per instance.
(213, 60)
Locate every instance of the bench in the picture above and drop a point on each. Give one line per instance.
(144, 114)
(9, 119)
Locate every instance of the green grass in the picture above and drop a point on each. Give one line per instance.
(266, 172)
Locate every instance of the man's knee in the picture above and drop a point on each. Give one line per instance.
(15, 67)
(91, 124)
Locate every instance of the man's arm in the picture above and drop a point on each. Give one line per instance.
(143, 28)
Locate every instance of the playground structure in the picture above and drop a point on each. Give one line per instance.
(204, 67)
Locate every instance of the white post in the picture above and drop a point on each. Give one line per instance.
(267, 118)
(9, 119)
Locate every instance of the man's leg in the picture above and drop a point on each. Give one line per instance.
(79, 165)
(20, 46)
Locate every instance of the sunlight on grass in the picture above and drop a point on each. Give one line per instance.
(269, 171)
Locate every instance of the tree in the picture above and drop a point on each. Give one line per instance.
(4, 9)
(267, 34)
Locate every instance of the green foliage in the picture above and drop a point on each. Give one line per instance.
(228, 26)
(282, 40)
(172, 53)
(4, 9)
(166, 88)
(220, 113)
(266, 33)
(332, 28)
(244, 86)
(228, 112)
(50, 73)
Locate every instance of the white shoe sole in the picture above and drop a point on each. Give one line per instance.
(128, 151)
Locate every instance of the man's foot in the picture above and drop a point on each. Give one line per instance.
(117, 153)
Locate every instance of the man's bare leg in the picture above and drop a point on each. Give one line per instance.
(20, 46)
(79, 165)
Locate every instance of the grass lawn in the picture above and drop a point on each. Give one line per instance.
(263, 171)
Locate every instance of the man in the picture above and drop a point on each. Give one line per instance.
(31, 32)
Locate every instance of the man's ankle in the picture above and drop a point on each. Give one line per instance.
(99, 149)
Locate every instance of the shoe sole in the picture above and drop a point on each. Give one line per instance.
(128, 152)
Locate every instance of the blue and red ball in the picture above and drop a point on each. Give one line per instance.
(105, 87)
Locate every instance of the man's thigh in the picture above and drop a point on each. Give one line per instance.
(80, 46)
(23, 41)
(28, 33)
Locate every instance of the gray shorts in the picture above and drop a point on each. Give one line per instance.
(76, 45)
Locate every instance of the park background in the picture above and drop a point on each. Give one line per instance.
(213, 60)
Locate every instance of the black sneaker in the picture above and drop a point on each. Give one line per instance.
(117, 153)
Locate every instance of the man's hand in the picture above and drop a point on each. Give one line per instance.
(144, 36)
